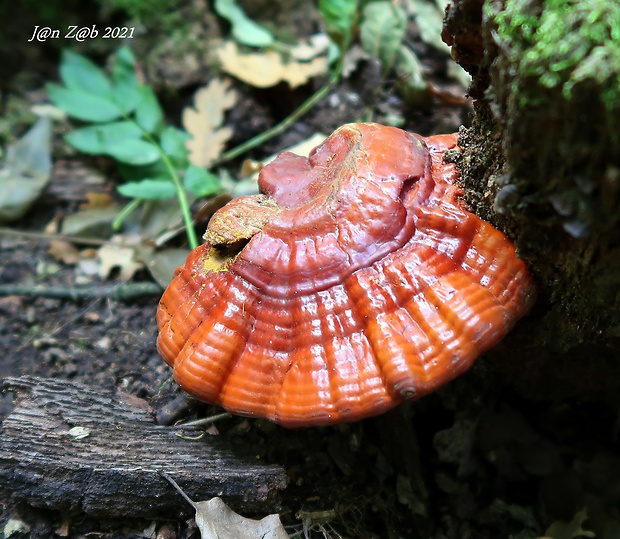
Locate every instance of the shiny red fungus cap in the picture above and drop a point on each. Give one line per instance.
(356, 280)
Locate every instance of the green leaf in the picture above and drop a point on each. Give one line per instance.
(382, 31)
(82, 105)
(133, 151)
(411, 83)
(570, 530)
(148, 189)
(134, 173)
(172, 141)
(97, 138)
(244, 29)
(149, 115)
(200, 182)
(429, 20)
(80, 73)
(125, 85)
(124, 61)
(340, 18)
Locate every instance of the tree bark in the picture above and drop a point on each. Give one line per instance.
(542, 162)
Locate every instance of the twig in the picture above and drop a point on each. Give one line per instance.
(118, 292)
(282, 126)
(62, 237)
(178, 488)
(206, 420)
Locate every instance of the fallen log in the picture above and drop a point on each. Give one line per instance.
(71, 447)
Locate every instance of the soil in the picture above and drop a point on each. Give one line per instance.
(111, 344)
(343, 480)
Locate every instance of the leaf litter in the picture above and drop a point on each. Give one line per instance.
(270, 67)
(26, 171)
(204, 121)
(113, 256)
(305, 58)
(216, 520)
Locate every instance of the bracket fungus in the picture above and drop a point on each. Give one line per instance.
(356, 280)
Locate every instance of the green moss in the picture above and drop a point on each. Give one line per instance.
(563, 44)
(159, 13)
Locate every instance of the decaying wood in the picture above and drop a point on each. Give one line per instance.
(539, 161)
(113, 471)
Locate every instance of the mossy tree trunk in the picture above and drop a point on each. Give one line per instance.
(542, 161)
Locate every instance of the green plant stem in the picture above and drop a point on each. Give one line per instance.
(125, 212)
(283, 125)
(185, 211)
(182, 198)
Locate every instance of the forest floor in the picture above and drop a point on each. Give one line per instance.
(423, 470)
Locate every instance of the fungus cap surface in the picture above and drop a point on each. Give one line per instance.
(356, 280)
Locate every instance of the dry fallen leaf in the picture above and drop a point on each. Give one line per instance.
(307, 49)
(26, 171)
(216, 520)
(97, 200)
(113, 256)
(269, 67)
(64, 251)
(204, 119)
(251, 166)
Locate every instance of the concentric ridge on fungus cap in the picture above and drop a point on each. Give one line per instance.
(356, 280)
